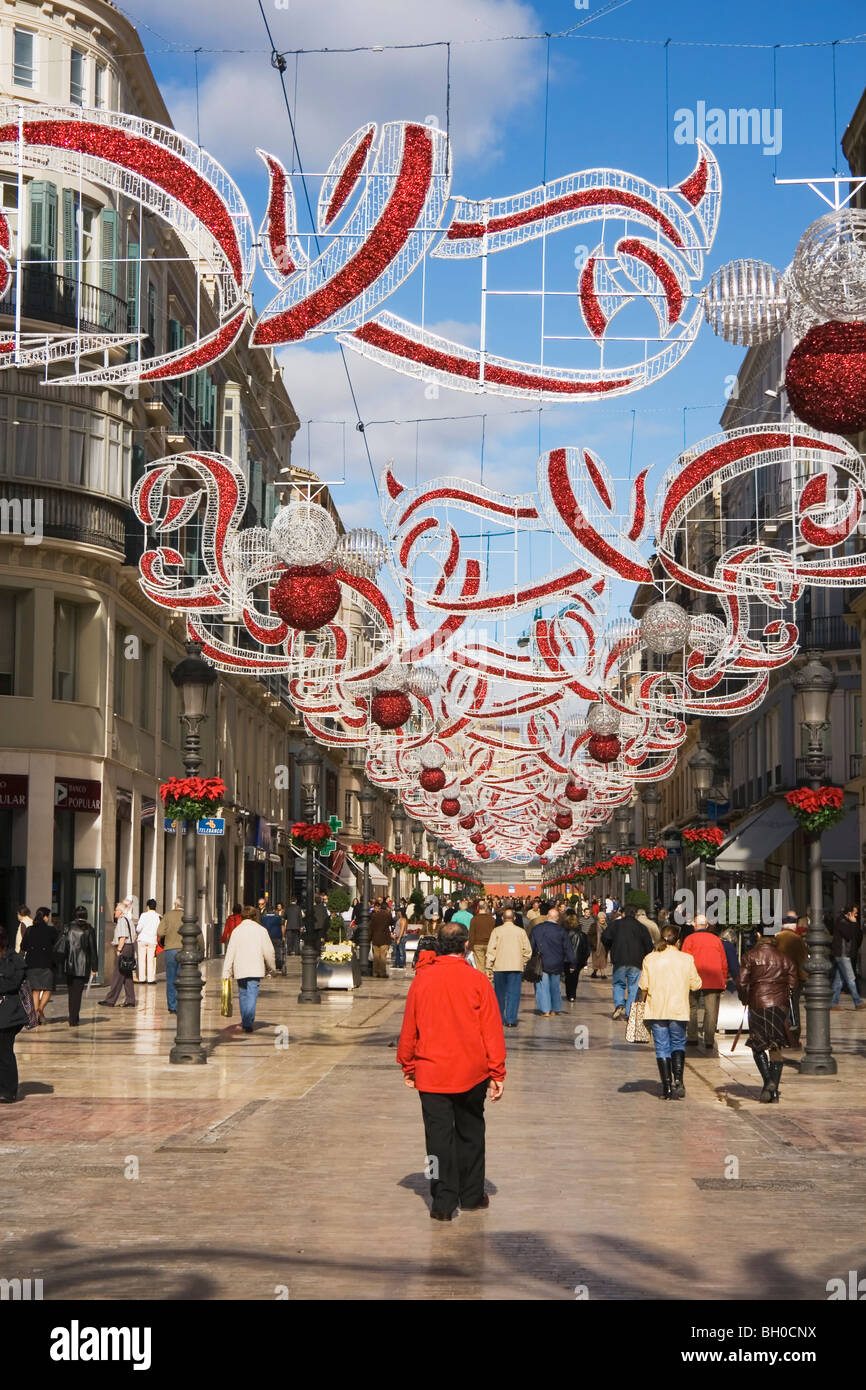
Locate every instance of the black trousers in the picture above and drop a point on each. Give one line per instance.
(572, 978)
(292, 941)
(454, 1131)
(75, 985)
(8, 1064)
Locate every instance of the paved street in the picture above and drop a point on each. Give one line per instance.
(298, 1168)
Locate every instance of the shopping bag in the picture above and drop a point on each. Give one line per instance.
(226, 999)
(637, 1032)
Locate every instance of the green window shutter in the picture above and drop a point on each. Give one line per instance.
(43, 222)
(108, 250)
(70, 236)
(175, 335)
(133, 285)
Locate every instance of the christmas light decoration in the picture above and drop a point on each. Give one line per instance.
(390, 709)
(604, 748)
(303, 533)
(664, 628)
(602, 718)
(432, 779)
(306, 597)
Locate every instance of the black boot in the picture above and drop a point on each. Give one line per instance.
(762, 1062)
(664, 1066)
(678, 1060)
(775, 1078)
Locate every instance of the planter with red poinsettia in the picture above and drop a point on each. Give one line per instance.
(654, 854)
(365, 851)
(192, 798)
(818, 810)
(623, 861)
(706, 840)
(304, 834)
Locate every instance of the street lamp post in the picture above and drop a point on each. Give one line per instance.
(193, 678)
(309, 760)
(398, 821)
(703, 766)
(651, 801)
(602, 836)
(367, 802)
(814, 683)
(623, 825)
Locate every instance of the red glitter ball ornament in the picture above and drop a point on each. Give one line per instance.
(450, 806)
(575, 793)
(432, 779)
(467, 822)
(604, 748)
(477, 838)
(826, 378)
(564, 819)
(552, 836)
(306, 597)
(390, 709)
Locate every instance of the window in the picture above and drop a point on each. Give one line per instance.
(8, 635)
(100, 86)
(121, 682)
(96, 469)
(151, 311)
(169, 727)
(114, 485)
(77, 447)
(76, 78)
(65, 675)
(347, 809)
(24, 66)
(52, 442)
(26, 428)
(145, 692)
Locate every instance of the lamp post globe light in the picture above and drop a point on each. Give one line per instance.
(702, 765)
(309, 760)
(367, 801)
(193, 678)
(399, 820)
(651, 799)
(814, 684)
(623, 827)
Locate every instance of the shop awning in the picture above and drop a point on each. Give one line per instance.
(755, 839)
(840, 846)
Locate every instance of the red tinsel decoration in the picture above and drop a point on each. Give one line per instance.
(450, 806)
(604, 748)
(574, 792)
(306, 597)
(564, 819)
(432, 779)
(826, 378)
(390, 709)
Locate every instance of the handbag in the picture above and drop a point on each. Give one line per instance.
(126, 961)
(637, 1031)
(226, 999)
(534, 968)
(25, 994)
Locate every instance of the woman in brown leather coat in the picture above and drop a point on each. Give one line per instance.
(766, 982)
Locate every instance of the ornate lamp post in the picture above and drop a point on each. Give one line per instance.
(367, 801)
(703, 766)
(309, 760)
(814, 683)
(623, 827)
(651, 801)
(193, 678)
(602, 836)
(398, 821)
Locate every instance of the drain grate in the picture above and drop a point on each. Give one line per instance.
(754, 1185)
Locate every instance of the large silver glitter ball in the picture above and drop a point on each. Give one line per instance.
(303, 533)
(665, 627)
(602, 718)
(746, 302)
(829, 267)
(362, 552)
(432, 755)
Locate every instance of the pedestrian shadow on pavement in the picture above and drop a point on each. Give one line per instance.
(34, 1088)
(649, 1086)
(419, 1183)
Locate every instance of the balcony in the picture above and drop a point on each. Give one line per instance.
(77, 516)
(831, 634)
(50, 298)
(855, 766)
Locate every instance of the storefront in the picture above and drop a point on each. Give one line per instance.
(14, 792)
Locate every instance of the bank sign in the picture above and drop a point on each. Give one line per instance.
(72, 795)
(13, 793)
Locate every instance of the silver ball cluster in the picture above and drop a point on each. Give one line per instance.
(602, 718)
(362, 552)
(303, 533)
(665, 627)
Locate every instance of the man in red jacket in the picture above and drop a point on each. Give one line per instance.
(451, 1049)
(712, 966)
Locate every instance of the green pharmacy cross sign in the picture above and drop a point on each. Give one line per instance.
(329, 846)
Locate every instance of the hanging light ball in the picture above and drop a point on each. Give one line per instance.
(602, 718)
(575, 793)
(303, 533)
(564, 820)
(746, 302)
(450, 806)
(829, 267)
(664, 627)
(477, 838)
(552, 836)
(390, 709)
(394, 677)
(707, 633)
(306, 597)
(604, 748)
(250, 548)
(432, 779)
(826, 378)
(468, 822)
(432, 755)
(423, 680)
(361, 552)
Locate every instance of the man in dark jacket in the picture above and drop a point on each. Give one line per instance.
(293, 928)
(628, 941)
(13, 1017)
(552, 943)
(381, 922)
(846, 950)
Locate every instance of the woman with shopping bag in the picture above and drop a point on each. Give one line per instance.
(667, 977)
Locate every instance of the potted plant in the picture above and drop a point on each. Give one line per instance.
(338, 967)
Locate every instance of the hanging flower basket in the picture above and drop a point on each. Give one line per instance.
(705, 839)
(304, 834)
(655, 855)
(816, 811)
(365, 851)
(624, 861)
(192, 798)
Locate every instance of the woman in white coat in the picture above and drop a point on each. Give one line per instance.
(667, 977)
(248, 958)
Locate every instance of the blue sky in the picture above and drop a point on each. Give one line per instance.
(609, 102)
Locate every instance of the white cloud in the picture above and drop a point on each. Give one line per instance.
(241, 103)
